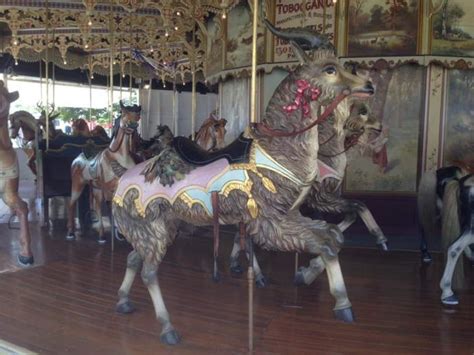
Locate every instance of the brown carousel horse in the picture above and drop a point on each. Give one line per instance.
(9, 177)
(212, 133)
(80, 128)
(24, 122)
(258, 181)
(104, 170)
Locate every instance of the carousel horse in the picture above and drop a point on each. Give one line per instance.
(211, 134)
(81, 128)
(258, 181)
(9, 177)
(99, 131)
(324, 196)
(26, 123)
(47, 119)
(445, 207)
(104, 170)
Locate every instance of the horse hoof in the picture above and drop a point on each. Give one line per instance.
(450, 301)
(125, 308)
(70, 236)
(236, 270)
(25, 260)
(260, 281)
(216, 277)
(101, 241)
(170, 338)
(299, 279)
(426, 257)
(119, 237)
(345, 314)
(383, 246)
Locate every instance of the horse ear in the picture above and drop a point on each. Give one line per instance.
(13, 96)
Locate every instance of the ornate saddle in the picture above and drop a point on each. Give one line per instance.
(236, 152)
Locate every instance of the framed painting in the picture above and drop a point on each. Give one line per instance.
(239, 38)
(215, 44)
(382, 27)
(318, 15)
(392, 165)
(452, 29)
(459, 125)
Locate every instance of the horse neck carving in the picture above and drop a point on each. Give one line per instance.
(6, 148)
(298, 101)
(121, 141)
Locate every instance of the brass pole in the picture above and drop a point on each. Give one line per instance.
(253, 119)
(111, 73)
(193, 103)
(47, 75)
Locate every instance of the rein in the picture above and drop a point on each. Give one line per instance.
(268, 131)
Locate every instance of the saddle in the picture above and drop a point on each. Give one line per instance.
(236, 152)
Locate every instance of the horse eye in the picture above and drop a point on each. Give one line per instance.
(330, 70)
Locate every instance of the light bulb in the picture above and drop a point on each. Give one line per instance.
(89, 23)
(151, 49)
(16, 62)
(86, 46)
(178, 13)
(15, 42)
(123, 75)
(224, 15)
(175, 28)
(166, 34)
(146, 86)
(65, 62)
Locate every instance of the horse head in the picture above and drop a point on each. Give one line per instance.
(80, 127)
(130, 115)
(6, 98)
(26, 122)
(361, 125)
(99, 131)
(211, 135)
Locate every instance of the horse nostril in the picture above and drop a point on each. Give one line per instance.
(369, 87)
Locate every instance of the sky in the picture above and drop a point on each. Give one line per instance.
(66, 95)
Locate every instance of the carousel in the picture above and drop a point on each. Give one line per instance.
(256, 163)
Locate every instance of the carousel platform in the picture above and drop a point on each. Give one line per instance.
(65, 303)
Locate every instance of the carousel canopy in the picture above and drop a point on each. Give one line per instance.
(95, 35)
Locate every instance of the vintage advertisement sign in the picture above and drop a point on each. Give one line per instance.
(317, 14)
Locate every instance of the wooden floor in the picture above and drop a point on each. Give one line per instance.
(65, 304)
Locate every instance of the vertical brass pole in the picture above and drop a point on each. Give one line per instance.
(253, 119)
(111, 73)
(47, 76)
(193, 103)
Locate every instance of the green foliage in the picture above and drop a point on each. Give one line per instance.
(454, 12)
(101, 115)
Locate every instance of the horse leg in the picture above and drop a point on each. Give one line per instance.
(168, 334)
(352, 208)
(306, 275)
(78, 185)
(343, 307)
(235, 266)
(20, 208)
(425, 254)
(134, 263)
(97, 197)
(454, 251)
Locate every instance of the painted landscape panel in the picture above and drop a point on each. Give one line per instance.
(214, 53)
(453, 29)
(382, 27)
(399, 103)
(460, 109)
(239, 38)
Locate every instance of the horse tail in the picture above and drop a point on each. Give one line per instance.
(451, 227)
(426, 205)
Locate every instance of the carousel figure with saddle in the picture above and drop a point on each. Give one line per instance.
(259, 181)
(9, 178)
